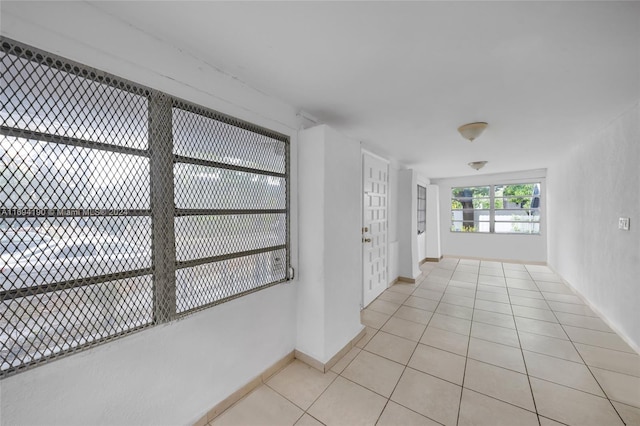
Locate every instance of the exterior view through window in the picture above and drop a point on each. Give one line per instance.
(122, 207)
(501, 209)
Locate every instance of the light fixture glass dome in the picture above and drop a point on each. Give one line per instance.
(471, 131)
(477, 165)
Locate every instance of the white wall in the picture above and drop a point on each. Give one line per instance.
(588, 190)
(343, 241)
(433, 250)
(421, 241)
(173, 373)
(529, 248)
(422, 238)
(393, 259)
(168, 375)
(311, 272)
(330, 288)
(408, 266)
(94, 38)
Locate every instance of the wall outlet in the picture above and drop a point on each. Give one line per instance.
(623, 223)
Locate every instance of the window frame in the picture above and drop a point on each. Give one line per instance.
(492, 210)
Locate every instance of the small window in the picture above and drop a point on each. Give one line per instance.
(422, 209)
(470, 209)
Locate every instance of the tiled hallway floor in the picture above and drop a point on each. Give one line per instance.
(472, 343)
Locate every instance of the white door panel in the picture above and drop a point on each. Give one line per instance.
(374, 226)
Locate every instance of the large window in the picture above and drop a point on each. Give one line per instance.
(122, 207)
(501, 209)
(422, 209)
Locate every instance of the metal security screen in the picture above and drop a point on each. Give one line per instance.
(231, 208)
(122, 207)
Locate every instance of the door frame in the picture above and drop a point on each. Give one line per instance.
(364, 152)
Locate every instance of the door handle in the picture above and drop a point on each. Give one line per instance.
(366, 240)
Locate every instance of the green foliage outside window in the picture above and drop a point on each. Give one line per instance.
(479, 198)
(464, 229)
(519, 194)
(477, 191)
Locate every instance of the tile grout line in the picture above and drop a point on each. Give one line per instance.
(563, 359)
(526, 369)
(432, 375)
(404, 366)
(466, 358)
(595, 346)
(304, 411)
(556, 357)
(317, 398)
(590, 371)
(552, 356)
(409, 360)
(347, 366)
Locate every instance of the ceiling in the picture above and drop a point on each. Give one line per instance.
(401, 77)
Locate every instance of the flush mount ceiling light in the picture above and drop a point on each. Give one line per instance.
(477, 165)
(472, 130)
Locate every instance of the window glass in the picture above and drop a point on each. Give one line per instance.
(503, 208)
(470, 209)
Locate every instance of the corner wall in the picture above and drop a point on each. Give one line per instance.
(393, 254)
(330, 288)
(343, 240)
(311, 198)
(408, 264)
(422, 238)
(588, 190)
(433, 250)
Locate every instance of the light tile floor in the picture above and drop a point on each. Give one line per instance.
(472, 343)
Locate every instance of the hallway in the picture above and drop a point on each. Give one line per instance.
(471, 343)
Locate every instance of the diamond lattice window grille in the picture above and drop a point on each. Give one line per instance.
(122, 207)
